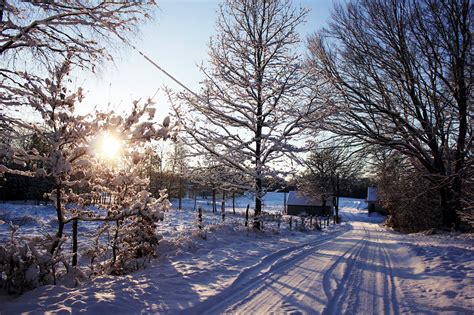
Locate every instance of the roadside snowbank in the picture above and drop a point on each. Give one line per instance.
(444, 280)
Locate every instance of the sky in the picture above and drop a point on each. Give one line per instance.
(177, 39)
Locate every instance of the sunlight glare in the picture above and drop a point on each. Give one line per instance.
(110, 146)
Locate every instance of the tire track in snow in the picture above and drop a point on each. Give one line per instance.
(253, 277)
(353, 275)
(327, 278)
(391, 280)
(368, 284)
(350, 278)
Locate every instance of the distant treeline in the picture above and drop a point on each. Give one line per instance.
(18, 187)
(354, 188)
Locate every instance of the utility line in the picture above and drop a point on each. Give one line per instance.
(147, 58)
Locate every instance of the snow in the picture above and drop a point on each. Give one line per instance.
(359, 267)
(33, 220)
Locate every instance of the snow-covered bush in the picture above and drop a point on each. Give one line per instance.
(134, 237)
(23, 265)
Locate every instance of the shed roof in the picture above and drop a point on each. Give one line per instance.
(297, 199)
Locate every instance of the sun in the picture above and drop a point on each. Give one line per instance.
(109, 146)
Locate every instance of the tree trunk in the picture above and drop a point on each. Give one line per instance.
(115, 243)
(258, 132)
(59, 233)
(180, 192)
(223, 199)
(74, 242)
(223, 210)
(258, 205)
(448, 208)
(337, 198)
(323, 204)
(463, 101)
(200, 218)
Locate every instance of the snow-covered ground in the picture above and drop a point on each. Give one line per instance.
(357, 267)
(39, 219)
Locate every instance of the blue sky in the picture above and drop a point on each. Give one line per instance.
(177, 39)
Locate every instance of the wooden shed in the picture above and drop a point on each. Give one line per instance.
(298, 204)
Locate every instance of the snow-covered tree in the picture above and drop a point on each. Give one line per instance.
(88, 158)
(253, 101)
(41, 42)
(35, 35)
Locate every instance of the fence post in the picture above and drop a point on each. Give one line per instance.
(291, 222)
(214, 207)
(337, 199)
(200, 218)
(223, 210)
(247, 216)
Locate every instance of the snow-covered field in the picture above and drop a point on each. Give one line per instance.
(358, 267)
(38, 219)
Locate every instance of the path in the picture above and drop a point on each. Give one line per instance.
(354, 272)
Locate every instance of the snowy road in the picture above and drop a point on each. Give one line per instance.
(354, 272)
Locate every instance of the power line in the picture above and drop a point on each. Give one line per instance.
(147, 58)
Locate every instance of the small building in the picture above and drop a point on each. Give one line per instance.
(298, 204)
(372, 201)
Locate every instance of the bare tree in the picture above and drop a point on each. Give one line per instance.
(325, 168)
(178, 169)
(398, 74)
(253, 100)
(411, 202)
